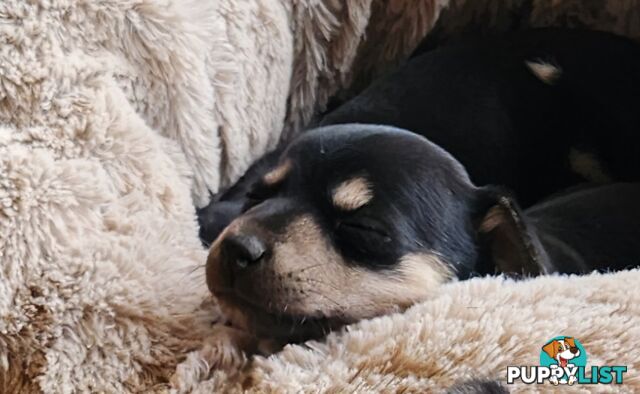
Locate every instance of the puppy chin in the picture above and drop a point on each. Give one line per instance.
(281, 328)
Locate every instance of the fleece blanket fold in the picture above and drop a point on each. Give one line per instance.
(119, 117)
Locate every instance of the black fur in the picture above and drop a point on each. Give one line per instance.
(226, 206)
(590, 228)
(478, 100)
(411, 179)
(478, 386)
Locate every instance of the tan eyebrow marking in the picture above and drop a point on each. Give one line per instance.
(278, 174)
(544, 71)
(352, 194)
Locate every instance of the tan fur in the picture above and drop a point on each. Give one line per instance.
(307, 276)
(278, 174)
(352, 194)
(587, 165)
(493, 219)
(544, 71)
(337, 287)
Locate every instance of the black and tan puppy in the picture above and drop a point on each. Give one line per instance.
(535, 111)
(357, 220)
(387, 218)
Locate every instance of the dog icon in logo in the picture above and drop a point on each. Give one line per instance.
(562, 350)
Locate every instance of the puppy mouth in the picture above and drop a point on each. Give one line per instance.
(281, 325)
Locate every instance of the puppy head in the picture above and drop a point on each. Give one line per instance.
(354, 221)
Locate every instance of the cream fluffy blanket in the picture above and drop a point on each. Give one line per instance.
(118, 116)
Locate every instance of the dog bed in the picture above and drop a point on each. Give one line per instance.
(118, 117)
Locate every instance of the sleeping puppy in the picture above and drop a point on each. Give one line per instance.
(357, 221)
(535, 111)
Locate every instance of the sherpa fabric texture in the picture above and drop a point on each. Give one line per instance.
(117, 117)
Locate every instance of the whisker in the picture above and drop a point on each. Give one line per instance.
(325, 296)
(320, 282)
(297, 271)
(191, 272)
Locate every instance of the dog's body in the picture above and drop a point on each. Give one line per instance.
(590, 228)
(357, 220)
(535, 111)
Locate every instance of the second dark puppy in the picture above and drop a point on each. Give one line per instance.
(536, 111)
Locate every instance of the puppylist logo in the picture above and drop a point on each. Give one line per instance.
(563, 360)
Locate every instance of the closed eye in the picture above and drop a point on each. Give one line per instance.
(364, 228)
(366, 241)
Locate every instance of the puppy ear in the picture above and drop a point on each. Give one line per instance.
(570, 341)
(551, 349)
(509, 243)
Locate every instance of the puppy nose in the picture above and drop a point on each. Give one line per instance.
(574, 350)
(243, 250)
